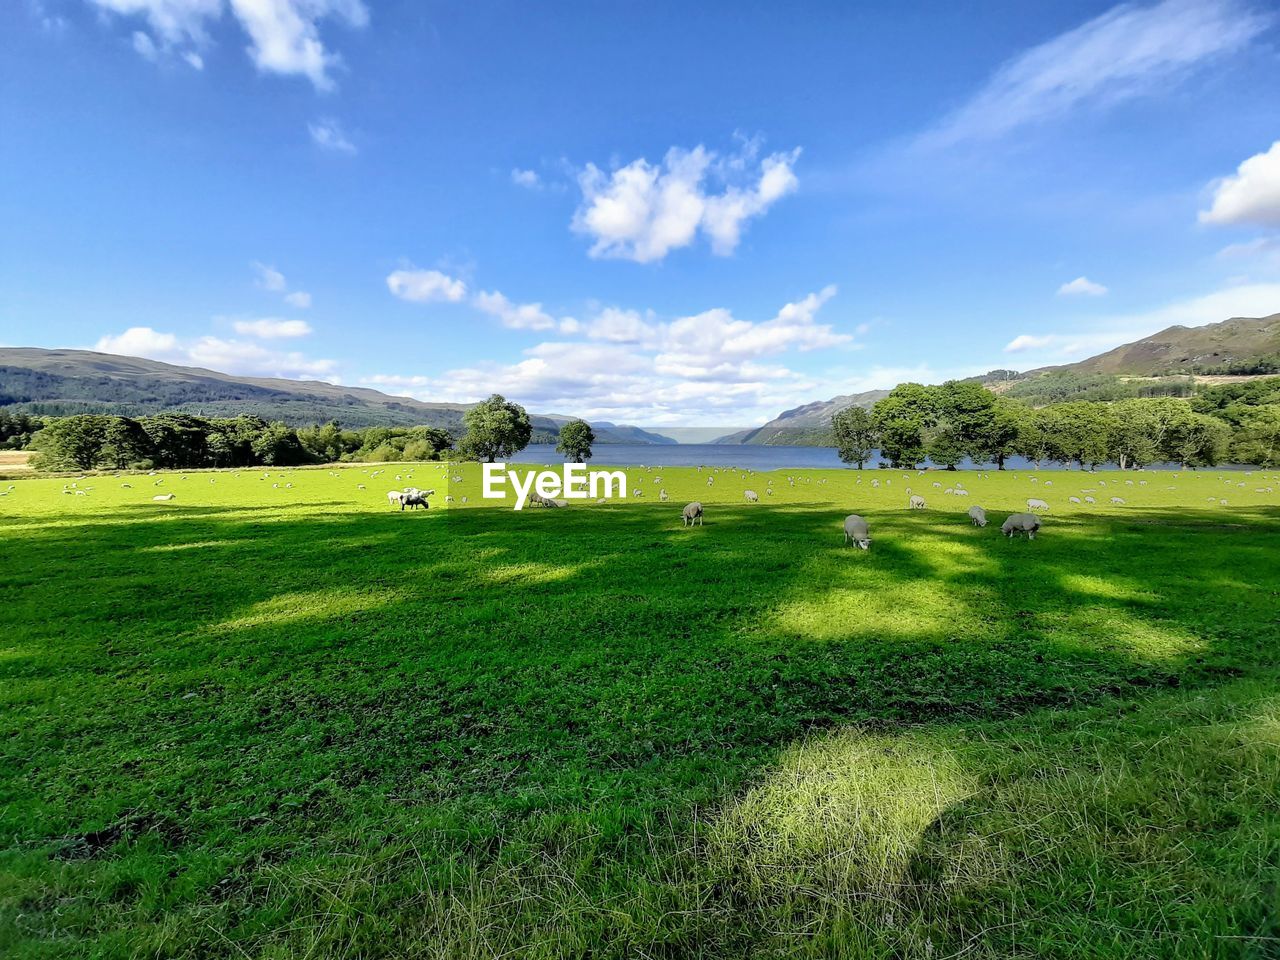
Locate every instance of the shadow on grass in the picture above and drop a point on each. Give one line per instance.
(374, 717)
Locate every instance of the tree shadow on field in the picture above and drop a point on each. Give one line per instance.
(525, 695)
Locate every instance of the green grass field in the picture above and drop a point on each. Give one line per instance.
(275, 718)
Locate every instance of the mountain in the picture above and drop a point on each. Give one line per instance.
(623, 433)
(58, 382)
(1242, 345)
(805, 425)
(1238, 345)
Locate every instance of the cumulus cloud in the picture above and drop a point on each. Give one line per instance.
(272, 328)
(643, 211)
(1106, 332)
(284, 35)
(214, 353)
(425, 286)
(1251, 195)
(298, 298)
(269, 278)
(521, 316)
(1128, 52)
(144, 46)
(707, 367)
(1081, 287)
(329, 135)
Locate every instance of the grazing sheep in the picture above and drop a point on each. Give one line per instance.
(165, 496)
(393, 497)
(1090, 500)
(1074, 499)
(637, 492)
(662, 495)
(1034, 504)
(1027, 523)
(752, 496)
(1119, 500)
(937, 484)
(856, 530)
(916, 503)
(448, 498)
(978, 516)
(949, 491)
(692, 514)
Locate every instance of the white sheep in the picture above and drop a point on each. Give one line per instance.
(165, 496)
(916, 503)
(978, 516)
(857, 531)
(1119, 500)
(1090, 500)
(752, 496)
(1034, 504)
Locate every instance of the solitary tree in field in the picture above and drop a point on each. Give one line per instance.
(495, 430)
(855, 435)
(576, 438)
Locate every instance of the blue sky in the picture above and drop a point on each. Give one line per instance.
(659, 213)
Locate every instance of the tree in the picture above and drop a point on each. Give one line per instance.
(1259, 438)
(278, 446)
(901, 420)
(71, 443)
(1079, 431)
(998, 438)
(495, 430)
(1198, 440)
(947, 446)
(1034, 437)
(855, 435)
(576, 438)
(124, 444)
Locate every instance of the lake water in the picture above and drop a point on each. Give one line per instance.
(748, 457)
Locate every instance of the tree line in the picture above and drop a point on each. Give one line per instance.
(494, 430)
(958, 420)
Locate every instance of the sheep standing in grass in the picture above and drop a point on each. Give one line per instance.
(857, 531)
(692, 514)
(916, 502)
(393, 497)
(752, 496)
(978, 516)
(1027, 523)
(1119, 500)
(165, 496)
(1034, 504)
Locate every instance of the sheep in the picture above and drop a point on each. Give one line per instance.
(961, 492)
(937, 484)
(1090, 500)
(448, 498)
(637, 492)
(1119, 500)
(1034, 504)
(1074, 499)
(662, 495)
(1027, 523)
(978, 516)
(692, 514)
(752, 496)
(856, 530)
(949, 491)
(916, 503)
(165, 496)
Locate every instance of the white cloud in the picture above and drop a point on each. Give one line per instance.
(516, 316)
(642, 211)
(284, 35)
(272, 328)
(1251, 195)
(1127, 52)
(144, 46)
(194, 60)
(329, 135)
(298, 298)
(1248, 300)
(269, 278)
(213, 353)
(1081, 287)
(526, 178)
(140, 342)
(706, 368)
(425, 286)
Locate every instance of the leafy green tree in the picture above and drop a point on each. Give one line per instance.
(1198, 441)
(71, 443)
(1258, 440)
(901, 420)
(495, 430)
(177, 440)
(1034, 437)
(576, 438)
(855, 435)
(947, 446)
(1080, 431)
(124, 444)
(278, 446)
(17, 429)
(997, 439)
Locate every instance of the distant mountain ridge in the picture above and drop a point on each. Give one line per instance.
(58, 382)
(1243, 345)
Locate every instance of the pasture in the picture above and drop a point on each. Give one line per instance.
(274, 717)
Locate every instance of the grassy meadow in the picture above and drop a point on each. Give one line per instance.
(276, 718)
